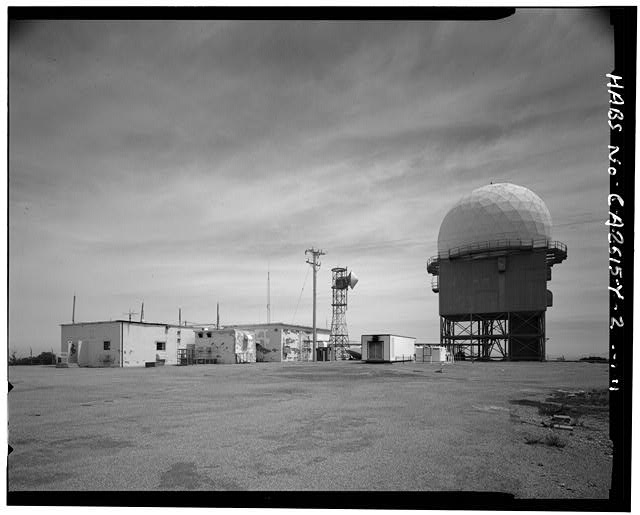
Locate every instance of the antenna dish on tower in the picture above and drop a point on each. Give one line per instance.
(343, 280)
(353, 280)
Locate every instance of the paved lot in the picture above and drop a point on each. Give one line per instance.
(323, 426)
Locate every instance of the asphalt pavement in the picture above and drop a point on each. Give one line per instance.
(307, 426)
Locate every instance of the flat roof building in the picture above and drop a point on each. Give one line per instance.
(123, 343)
(387, 348)
(285, 342)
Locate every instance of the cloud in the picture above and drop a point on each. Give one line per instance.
(176, 161)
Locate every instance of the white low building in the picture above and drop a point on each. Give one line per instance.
(221, 346)
(123, 343)
(387, 347)
(286, 342)
(432, 354)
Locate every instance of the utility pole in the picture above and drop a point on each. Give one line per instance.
(142, 312)
(315, 264)
(73, 313)
(218, 315)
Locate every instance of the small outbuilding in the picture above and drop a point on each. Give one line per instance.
(387, 348)
(432, 354)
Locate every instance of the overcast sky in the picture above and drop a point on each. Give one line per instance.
(176, 162)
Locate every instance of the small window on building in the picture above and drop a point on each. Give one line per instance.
(208, 335)
(178, 340)
(161, 346)
(107, 345)
(199, 335)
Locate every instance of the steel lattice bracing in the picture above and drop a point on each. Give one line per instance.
(339, 338)
(508, 335)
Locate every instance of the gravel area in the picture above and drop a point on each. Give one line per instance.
(313, 426)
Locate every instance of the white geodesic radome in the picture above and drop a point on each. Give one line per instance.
(495, 213)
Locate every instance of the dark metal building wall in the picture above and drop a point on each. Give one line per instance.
(477, 286)
(527, 336)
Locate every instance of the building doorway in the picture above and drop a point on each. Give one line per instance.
(322, 354)
(73, 351)
(375, 350)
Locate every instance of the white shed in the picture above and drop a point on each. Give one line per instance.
(387, 347)
(431, 354)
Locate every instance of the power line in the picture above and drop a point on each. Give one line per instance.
(300, 297)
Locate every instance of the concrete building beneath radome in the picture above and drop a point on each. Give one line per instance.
(494, 259)
(123, 343)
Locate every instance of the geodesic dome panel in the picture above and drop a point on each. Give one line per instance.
(497, 212)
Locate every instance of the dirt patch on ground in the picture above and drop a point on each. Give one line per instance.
(187, 476)
(568, 432)
(593, 403)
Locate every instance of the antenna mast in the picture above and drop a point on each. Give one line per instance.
(315, 264)
(130, 313)
(268, 297)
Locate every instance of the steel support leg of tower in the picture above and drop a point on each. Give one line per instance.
(477, 336)
(527, 335)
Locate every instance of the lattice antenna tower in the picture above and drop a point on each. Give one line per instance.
(339, 337)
